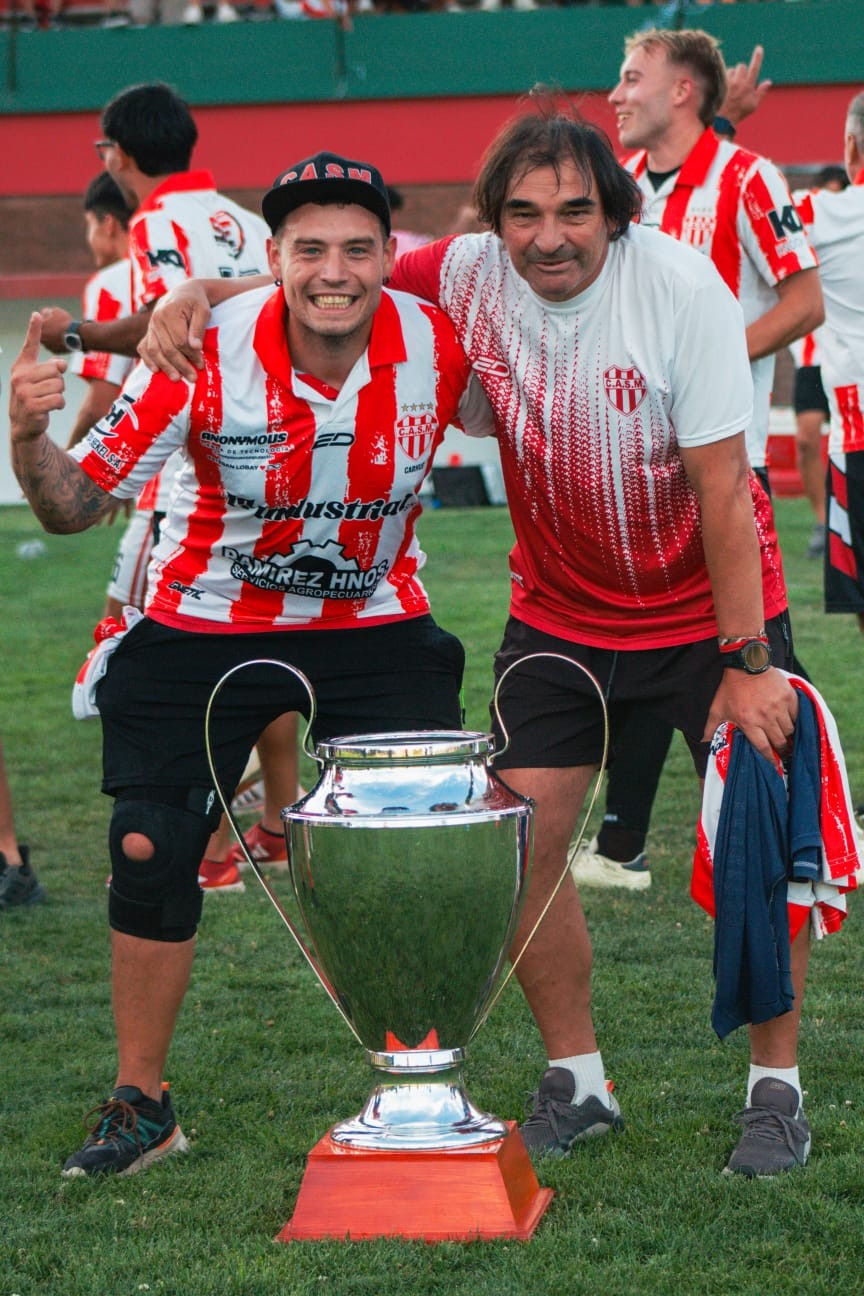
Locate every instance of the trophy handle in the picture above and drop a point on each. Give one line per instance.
(253, 863)
(598, 783)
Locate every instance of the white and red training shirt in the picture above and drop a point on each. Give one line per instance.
(593, 400)
(295, 506)
(107, 296)
(835, 222)
(186, 230)
(734, 207)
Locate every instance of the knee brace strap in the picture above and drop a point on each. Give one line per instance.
(158, 898)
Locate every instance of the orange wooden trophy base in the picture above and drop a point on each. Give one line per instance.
(451, 1196)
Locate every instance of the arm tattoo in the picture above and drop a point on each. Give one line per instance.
(59, 491)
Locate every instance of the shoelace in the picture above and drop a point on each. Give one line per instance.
(775, 1126)
(547, 1109)
(115, 1118)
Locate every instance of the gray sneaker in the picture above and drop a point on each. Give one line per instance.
(555, 1122)
(776, 1136)
(19, 886)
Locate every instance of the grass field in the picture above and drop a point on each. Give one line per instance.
(261, 1065)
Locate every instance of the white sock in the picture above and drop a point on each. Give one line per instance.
(788, 1074)
(587, 1070)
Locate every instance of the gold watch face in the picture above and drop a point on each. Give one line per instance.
(756, 656)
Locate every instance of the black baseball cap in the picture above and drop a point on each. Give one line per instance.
(324, 178)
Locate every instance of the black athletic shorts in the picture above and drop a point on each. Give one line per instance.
(153, 698)
(551, 710)
(844, 552)
(808, 393)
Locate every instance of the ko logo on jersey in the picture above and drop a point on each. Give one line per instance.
(229, 233)
(625, 388)
(165, 257)
(786, 221)
(491, 366)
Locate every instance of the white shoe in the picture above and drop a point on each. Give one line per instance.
(192, 15)
(589, 868)
(226, 13)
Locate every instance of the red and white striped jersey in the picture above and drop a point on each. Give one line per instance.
(835, 222)
(593, 400)
(734, 207)
(295, 506)
(107, 296)
(807, 350)
(186, 230)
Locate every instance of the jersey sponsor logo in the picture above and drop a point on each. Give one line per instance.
(254, 439)
(188, 591)
(491, 366)
(355, 510)
(786, 221)
(123, 407)
(228, 232)
(98, 446)
(625, 388)
(165, 257)
(309, 570)
(414, 432)
(333, 439)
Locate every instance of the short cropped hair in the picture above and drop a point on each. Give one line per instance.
(548, 137)
(699, 53)
(154, 126)
(855, 120)
(103, 197)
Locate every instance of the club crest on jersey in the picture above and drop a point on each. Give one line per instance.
(229, 233)
(414, 432)
(625, 388)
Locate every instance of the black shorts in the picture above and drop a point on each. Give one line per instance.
(552, 713)
(153, 698)
(809, 394)
(844, 552)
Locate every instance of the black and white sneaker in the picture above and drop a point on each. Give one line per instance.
(130, 1132)
(776, 1136)
(19, 885)
(555, 1122)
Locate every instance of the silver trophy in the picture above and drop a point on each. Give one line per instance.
(407, 864)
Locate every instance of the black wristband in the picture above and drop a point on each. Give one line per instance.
(723, 126)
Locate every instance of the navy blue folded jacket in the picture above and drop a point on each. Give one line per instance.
(765, 835)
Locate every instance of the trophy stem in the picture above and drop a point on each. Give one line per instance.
(418, 1102)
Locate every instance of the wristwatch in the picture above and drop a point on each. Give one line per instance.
(72, 339)
(750, 655)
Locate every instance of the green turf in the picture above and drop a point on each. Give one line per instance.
(261, 1065)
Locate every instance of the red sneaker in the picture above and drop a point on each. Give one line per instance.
(264, 846)
(219, 875)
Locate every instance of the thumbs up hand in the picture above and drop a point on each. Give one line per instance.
(36, 387)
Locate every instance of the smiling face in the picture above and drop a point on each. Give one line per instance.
(645, 96)
(332, 261)
(555, 231)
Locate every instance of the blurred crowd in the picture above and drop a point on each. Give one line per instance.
(31, 15)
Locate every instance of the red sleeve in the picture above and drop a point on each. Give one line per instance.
(419, 272)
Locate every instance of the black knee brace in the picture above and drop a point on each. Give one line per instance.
(159, 898)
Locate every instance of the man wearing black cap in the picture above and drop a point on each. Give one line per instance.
(304, 442)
